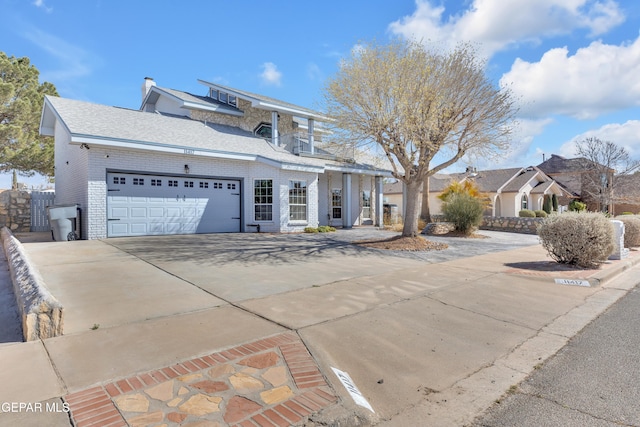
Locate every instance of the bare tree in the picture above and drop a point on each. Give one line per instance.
(416, 103)
(602, 162)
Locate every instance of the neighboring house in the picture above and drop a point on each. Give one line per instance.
(509, 190)
(226, 161)
(626, 194)
(581, 181)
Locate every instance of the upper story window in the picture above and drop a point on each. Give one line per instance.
(223, 97)
(263, 130)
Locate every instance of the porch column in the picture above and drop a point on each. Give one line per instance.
(311, 142)
(378, 220)
(346, 201)
(274, 128)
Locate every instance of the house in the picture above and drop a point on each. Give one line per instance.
(509, 190)
(582, 180)
(224, 161)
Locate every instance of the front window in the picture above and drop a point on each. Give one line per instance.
(336, 203)
(263, 199)
(525, 202)
(297, 200)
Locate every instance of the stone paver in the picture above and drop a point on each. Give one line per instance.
(273, 381)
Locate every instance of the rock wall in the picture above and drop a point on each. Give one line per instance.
(42, 314)
(509, 224)
(514, 225)
(15, 210)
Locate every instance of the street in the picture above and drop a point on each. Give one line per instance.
(592, 381)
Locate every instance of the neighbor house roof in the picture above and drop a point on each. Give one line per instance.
(491, 181)
(516, 184)
(120, 127)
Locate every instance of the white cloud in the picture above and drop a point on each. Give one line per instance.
(270, 74)
(314, 72)
(624, 135)
(74, 61)
(40, 4)
(499, 24)
(597, 79)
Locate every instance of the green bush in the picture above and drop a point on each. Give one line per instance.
(325, 229)
(631, 230)
(540, 214)
(546, 204)
(464, 211)
(310, 230)
(581, 239)
(626, 213)
(527, 213)
(554, 202)
(577, 206)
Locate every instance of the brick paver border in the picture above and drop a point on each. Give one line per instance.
(94, 407)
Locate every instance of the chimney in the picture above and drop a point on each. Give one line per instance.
(146, 86)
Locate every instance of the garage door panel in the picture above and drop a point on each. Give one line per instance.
(138, 212)
(171, 205)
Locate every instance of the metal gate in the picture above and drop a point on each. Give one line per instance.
(39, 202)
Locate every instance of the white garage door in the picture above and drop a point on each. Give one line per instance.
(140, 205)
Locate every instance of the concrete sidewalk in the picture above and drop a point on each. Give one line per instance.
(427, 342)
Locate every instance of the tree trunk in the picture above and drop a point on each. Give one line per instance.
(412, 209)
(425, 213)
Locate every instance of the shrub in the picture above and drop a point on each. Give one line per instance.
(631, 230)
(325, 229)
(626, 213)
(581, 239)
(577, 206)
(540, 214)
(527, 213)
(546, 204)
(464, 211)
(310, 230)
(554, 202)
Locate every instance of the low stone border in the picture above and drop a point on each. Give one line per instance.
(42, 315)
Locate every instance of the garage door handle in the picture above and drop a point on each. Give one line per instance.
(113, 219)
(113, 189)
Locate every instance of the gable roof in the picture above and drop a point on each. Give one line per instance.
(491, 181)
(189, 100)
(267, 103)
(120, 127)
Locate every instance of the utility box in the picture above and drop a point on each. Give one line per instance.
(63, 220)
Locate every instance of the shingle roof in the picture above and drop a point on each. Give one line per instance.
(542, 187)
(84, 119)
(205, 101)
(490, 181)
(519, 181)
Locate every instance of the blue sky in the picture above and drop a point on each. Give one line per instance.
(574, 65)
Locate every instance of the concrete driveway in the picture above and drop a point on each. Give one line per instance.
(408, 327)
(123, 280)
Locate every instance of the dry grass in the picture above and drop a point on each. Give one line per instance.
(399, 243)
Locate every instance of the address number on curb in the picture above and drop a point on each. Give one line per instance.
(348, 383)
(573, 282)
